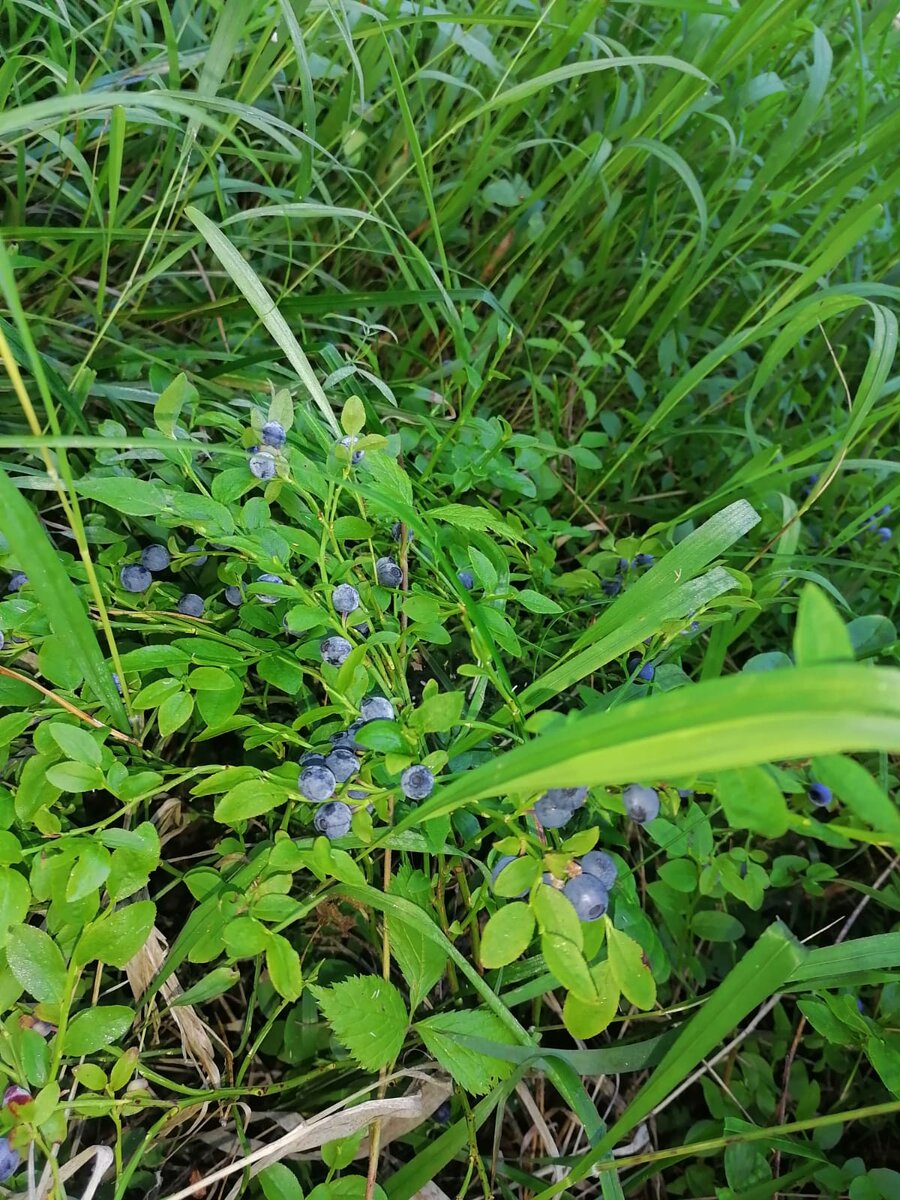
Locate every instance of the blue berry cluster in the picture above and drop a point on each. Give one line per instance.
(612, 587)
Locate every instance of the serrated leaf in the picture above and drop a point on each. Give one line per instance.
(587, 1018)
(467, 516)
(368, 1017)
(421, 960)
(507, 935)
(516, 877)
(278, 1182)
(90, 871)
(630, 970)
(37, 963)
(438, 714)
(475, 1072)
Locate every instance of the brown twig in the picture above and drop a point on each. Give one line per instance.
(69, 707)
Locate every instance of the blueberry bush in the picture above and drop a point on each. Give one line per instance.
(449, 700)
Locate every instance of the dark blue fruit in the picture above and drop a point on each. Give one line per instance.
(397, 532)
(467, 579)
(442, 1113)
(376, 708)
(155, 558)
(135, 578)
(17, 580)
(234, 596)
(345, 598)
(566, 797)
(641, 803)
(312, 759)
(644, 560)
(601, 866)
(417, 783)
(819, 794)
(346, 739)
(356, 456)
(198, 558)
(316, 783)
(190, 605)
(266, 577)
(342, 763)
(587, 896)
(333, 820)
(388, 573)
(635, 663)
(9, 1160)
(273, 434)
(552, 816)
(611, 587)
(335, 650)
(262, 466)
(883, 534)
(2, 639)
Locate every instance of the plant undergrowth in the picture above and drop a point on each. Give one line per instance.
(449, 683)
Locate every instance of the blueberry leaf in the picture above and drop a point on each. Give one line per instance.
(629, 968)
(507, 935)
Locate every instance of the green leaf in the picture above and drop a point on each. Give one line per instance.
(536, 602)
(245, 937)
(421, 960)
(76, 743)
(475, 1072)
(556, 914)
(90, 871)
(516, 877)
(353, 416)
(438, 714)
(75, 777)
(587, 1018)
(507, 935)
(826, 1023)
(56, 594)
(116, 938)
(249, 799)
(133, 497)
(368, 1017)
(566, 962)
(753, 800)
(467, 516)
(37, 963)
(97, 1027)
(855, 787)
(172, 400)
(282, 409)
(629, 969)
(348, 1187)
(820, 635)
(884, 1055)
(265, 308)
(283, 965)
(15, 897)
(216, 983)
(278, 1182)
(174, 711)
(717, 926)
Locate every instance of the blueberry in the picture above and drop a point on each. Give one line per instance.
(442, 1113)
(312, 758)
(417, 783)
(376, 708)
(860, 1007)
(234, 596)
(883, 511)
(342, 763)
(2, 639)
(356, 456)
(645, 671)
(333, 819)
(135, 578)
(622, 565)
(18, 580)
(644, 560)
(571, 798)
(345, 598)
(190, 605)
(552, 816)
(273, 435)
(498, 867)
(155, 557)
(641, 803)
(588, 897)
(266, 577)
(611, 587)
(316, 782)
(346, 739)
(9, 1160)
(363, 630)
(200, 559)
(467, 579)
(388, 573)
(335, 650)
(601, 866)
(819, 794)
(397, 532)
(883, 534)
(357, 794)
(262, 466)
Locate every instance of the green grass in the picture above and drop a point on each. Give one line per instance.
(589, 281)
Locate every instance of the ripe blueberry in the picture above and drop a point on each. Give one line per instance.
(552, 816)
(342, 763)
(644, 560)
(417, 783)
(819, 794)
(601, 866)
(18, 580)
(2, 639)
(198, 558)
(234, 596)
(155, 558)
(566, 797)
(266, 577)
(634, 662)
(317, 783)
(273, 434)
(388, 573)
(883, 534)
(345, 598)
(312, 759)
(135, 578)
(376, 708)
(332, 820)
(190, 605)
(356, 456)
(397, 531)
(335, 650)
(588, 897)
(467, 579)
(262, 466)
(611, 587)
(641, 803)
